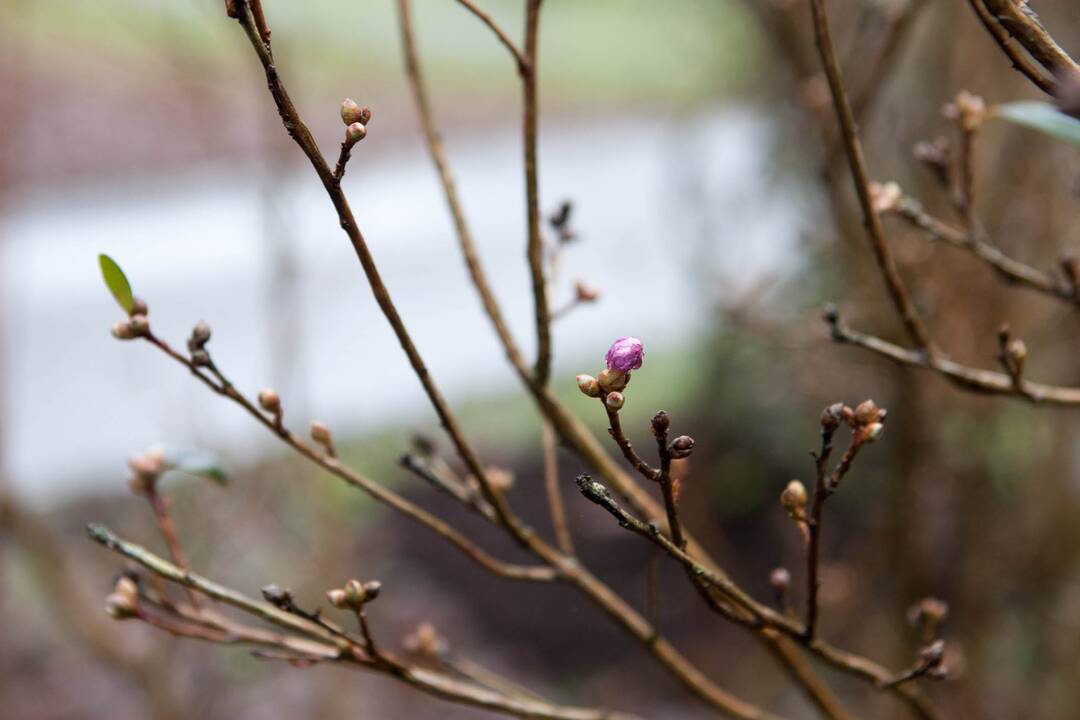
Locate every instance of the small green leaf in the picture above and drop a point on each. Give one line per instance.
(1043, 117)
(197, 463)
(117, 282)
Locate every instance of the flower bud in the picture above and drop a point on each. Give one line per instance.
(123, 330)
(350, 112)
(885, 197)
(868, 412)
(873, 431)
(585, 293)
(660, 423)
(200, 358)
(355, 133)
(794, 497)
(780, 579)
(269, 401)
(139, 307)
(625, 354)
(321, 434)
(933, 653)
(200, 335)
(613, 380)
(140, 325)
(614, 401)
(277, 596)
(930, 611)
(337, 598)
(831, 417)
(588, 385)
(426, 642)
(680, 447)
(123, 602)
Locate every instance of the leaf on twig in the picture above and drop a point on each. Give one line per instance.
(117, 282)
(1043, 117)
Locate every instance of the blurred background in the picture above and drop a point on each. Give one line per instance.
(691, 137)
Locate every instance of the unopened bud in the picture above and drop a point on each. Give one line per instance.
(139, 307)
(123, 330)
(123, 602)
(200, 335)
(350, 112)
(426, 642)
(933, 653)
(585, 293)
(355, 133)
(868, 412)
(680, 447)
(929, 610)
(794, 497)
(140, 325)
(614, 401)
(269, 401)
(780, 579)
(277, 596)
(321, 434)
(660, 423)
(337, 598)
(613, 380)
(831, 417)
(885, 197)
(873, 431)
(200, 358)
(588, 385)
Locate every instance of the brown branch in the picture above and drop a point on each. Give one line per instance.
(519, 57)
(160, 505)
(554, 493)
(1022, 24)
(757, 615)
(328, 646)
(1010, 270)
(299, 132)
(817, 506)
(853, 148)
(615, 429)
(974, 379)
(535, 249)
(1020, 61)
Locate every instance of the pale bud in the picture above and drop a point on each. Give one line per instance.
(588, 385)
(794, 497)
(613, 380)
(139, 307)
(780, 579)
(123, 330)
(614, 401)
(350, 111)
(140, 325)
(355, 133)
(269, 401)
(337, 598)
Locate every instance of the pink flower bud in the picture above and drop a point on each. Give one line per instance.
(355, 133)
(625, 354)
(614, 401)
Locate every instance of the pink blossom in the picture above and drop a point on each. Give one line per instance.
(626, 354)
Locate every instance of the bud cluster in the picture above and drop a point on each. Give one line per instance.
(137, 325)
(196, 344)
(968, 109)
(624, 355)
(356, 119)
(354, 595)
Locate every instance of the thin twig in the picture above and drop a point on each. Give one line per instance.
(853, 148)
(975, 379)
(1016, 55)
(1020, 22)
(813, 547)
(519, 57)
(554, 492)
(160, 505)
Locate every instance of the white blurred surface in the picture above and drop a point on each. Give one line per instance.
(667, 214)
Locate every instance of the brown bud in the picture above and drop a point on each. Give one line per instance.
(867, 412)
(123, 602)
(355, 133)
(832, 416)
(426, 642)
(933, 653)
(139, 307)
(681, 447)
(794, 497)
(277, 596)
(614, 401)
(613, 380)
(588, 385)
(660, 423)
(269, 401)
(140, 325)
(200, 335)
(929, 610)
(320, 433)
(200, 358)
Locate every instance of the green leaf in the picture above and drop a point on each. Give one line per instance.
(1043, 117)
(117, 282)
(197, 463)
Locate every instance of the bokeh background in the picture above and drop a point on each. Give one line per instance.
(710, 216)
